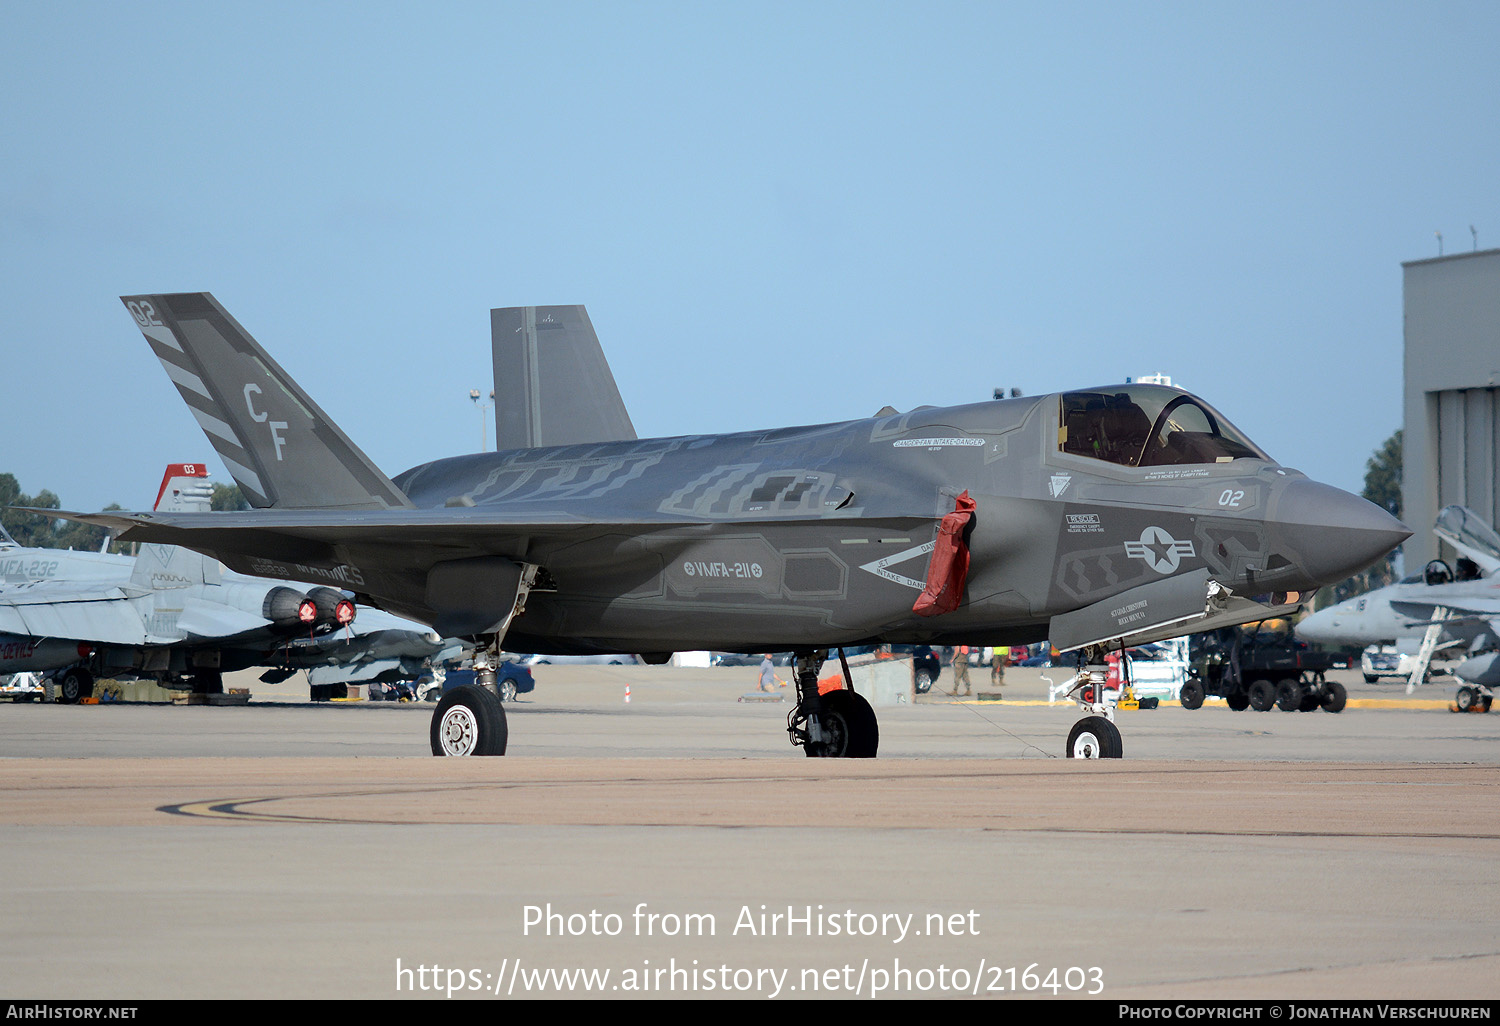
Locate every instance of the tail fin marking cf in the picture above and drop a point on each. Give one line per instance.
(282, 450)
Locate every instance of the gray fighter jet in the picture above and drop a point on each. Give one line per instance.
(1124, 513)
(172, 615)
(1440, 609)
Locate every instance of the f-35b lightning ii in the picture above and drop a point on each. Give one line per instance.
(1122, 513)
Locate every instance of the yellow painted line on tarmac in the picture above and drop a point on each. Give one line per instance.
(1399, 703)
(1353, 703)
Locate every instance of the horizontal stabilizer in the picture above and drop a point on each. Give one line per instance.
(216, 620)
(553, 385)
(280, 447)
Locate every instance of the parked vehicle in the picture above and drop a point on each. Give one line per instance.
(925, 667)
(1387, 662)
(22, 687)
(511, 679)
(1254, 669)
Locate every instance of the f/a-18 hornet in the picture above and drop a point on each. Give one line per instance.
(1436, 610)
(168, 614)
(1122, 513)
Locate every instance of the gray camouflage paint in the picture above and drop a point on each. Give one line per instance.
(755, 541)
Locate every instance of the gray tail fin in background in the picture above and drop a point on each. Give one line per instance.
(552, 383)
(282, 450)
(184, 489)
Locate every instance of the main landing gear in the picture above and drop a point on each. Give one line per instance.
(836, 725)
(1095, 736)
(469, 719)
(75, 685)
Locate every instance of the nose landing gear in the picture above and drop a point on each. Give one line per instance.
(1095, 736)
(836, 725)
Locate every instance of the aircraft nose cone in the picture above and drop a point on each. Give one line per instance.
(1333, 534)
(1319, 627)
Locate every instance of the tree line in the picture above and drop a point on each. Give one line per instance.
(33, 530)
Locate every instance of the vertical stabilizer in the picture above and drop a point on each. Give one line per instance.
(184, 489)
(552, 383)
(282, 450)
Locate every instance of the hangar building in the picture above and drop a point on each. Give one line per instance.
(1451, 437)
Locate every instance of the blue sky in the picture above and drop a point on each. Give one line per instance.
(776, 213)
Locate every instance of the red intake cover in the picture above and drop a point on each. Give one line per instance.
(949, 568)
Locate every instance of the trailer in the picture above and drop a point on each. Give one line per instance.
(1254, 669)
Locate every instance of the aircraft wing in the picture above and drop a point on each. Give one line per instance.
(30, 593)
(456, 569)
(80, 612)
(311, 535)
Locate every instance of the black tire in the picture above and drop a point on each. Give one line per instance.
(850, 729)
(1334, 696)
(507, 688)
(468, 721)
(1288, 696)
(75, 685)
(922, 681)
(1262, 695)
(1310, 701)
(1191, 695)
(1238, 701)
(1094, 737)
(1465, 699)
(1371, 678)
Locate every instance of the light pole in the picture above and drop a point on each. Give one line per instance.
(484, 437)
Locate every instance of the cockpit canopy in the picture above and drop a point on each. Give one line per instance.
(1148, 426)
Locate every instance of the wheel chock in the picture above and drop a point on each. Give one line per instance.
(1481, 706)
